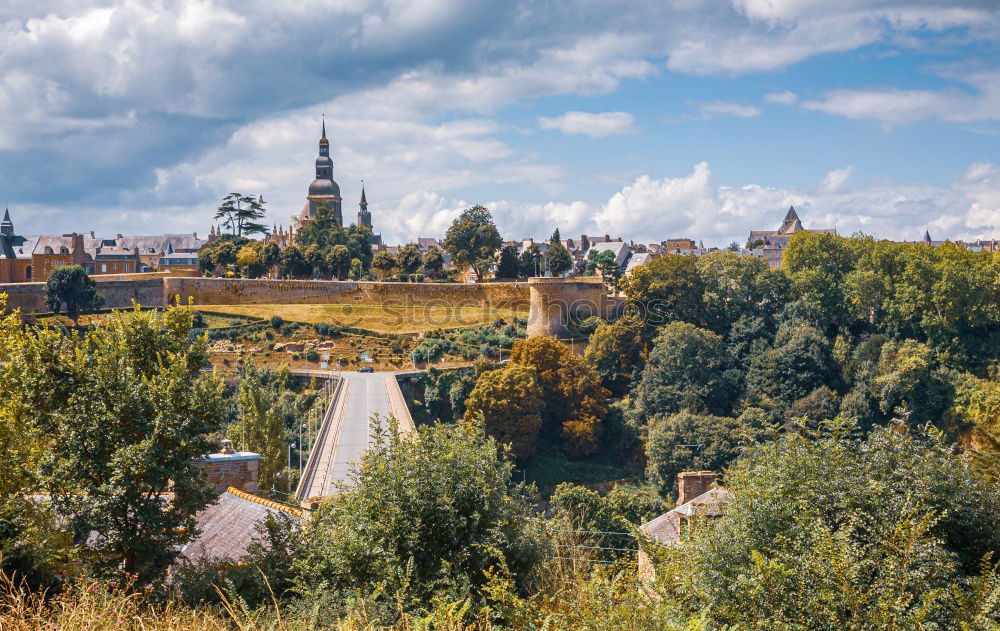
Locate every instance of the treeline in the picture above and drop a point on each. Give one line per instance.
(721, 350)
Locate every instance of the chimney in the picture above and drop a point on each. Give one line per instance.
(231, 468)
(91, 234)
(691, 484)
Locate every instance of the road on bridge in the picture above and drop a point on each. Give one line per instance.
(346, 430)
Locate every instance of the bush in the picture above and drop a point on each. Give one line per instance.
(312, 355)
(276, 321)
(403, 529)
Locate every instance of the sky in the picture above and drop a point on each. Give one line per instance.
(647, 119)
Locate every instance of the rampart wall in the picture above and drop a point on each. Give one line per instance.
(550, 302)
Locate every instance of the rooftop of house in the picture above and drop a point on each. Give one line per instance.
(667, 527)
(228, 526)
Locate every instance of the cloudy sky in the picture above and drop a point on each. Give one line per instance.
(645, 118)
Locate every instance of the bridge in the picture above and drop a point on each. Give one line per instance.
(345, 431)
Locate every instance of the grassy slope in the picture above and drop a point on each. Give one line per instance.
(391, 319)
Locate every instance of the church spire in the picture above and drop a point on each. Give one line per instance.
(364, 217)
(7, 227)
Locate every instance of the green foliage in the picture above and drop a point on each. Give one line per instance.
(473, 239)
(602, 263)
(799, 362)
(688, 369)
(530, 262)
(127, 428)
(558, 259)
(241, 214)
(616, 352)
(72, 288)
(420, 520)
(508, 266)
(433, 262)
(667, 289)
(740, 287)
(384, 265)
(832, 532)
(317, 241)
(693, 442)
(409, 259)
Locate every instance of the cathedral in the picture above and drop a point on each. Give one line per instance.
(324, 191)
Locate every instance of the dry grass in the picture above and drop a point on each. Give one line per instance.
(385, 318)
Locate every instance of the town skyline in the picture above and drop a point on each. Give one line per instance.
(879, 118)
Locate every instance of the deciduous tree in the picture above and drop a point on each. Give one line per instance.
(473, 239)
(510, 403)
(71, 288)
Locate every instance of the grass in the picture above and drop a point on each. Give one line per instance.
(385, 318)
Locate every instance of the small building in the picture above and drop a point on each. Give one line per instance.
(772, 243)
(698, 499)
(619, 249)
(51, 252)
(178, 262)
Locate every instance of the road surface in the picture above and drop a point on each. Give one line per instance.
(346, 430)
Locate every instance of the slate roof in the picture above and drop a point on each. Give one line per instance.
(227, 527)
(667, 527)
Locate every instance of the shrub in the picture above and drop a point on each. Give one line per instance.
(312, 355)
(276, 321)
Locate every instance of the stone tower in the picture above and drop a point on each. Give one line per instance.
(364, 217)
(323, 191)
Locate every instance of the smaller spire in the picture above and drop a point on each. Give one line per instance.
(364, 202)
(927, 236)
(324, 127)
(7, 226)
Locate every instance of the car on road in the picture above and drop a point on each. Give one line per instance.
(366, 369)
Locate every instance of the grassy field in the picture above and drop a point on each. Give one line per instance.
(390, 319)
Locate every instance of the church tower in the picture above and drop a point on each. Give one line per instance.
(323, 191)
(364, 217)
(7, 227)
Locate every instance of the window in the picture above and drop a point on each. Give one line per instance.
(63, 250)
(104, 268)
(27, 273)
(48, 250)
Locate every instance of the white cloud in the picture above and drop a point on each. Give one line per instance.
(835, 180)
(714, 109)
(782, 98)
(593, 125)
(895, 106)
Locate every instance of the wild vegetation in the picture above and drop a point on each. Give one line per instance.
(849, 400)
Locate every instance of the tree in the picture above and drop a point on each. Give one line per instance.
(602, 263)
(242, 214)
(572, 391)
(409, 259)
(420, 520)
(33, 543)
(509, 402)
(688, 369)
(558, 259)
(384, 265)
(259, 428)
(292, 263)
(433, 262)
(685, 442)
(616, 350)
(667, 289)
(799, 362)
(72, 288)
(577, 508)
(530, 261)
(737, 287)
(138, 413)
(508, 267)
(250, 260)
(472, 240)
(831, 533)
(338, 259)
(555, 238)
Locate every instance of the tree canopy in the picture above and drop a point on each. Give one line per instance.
(70, 287)
(473, 239)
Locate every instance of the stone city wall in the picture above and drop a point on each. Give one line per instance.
(221, 291)
(554, 301)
